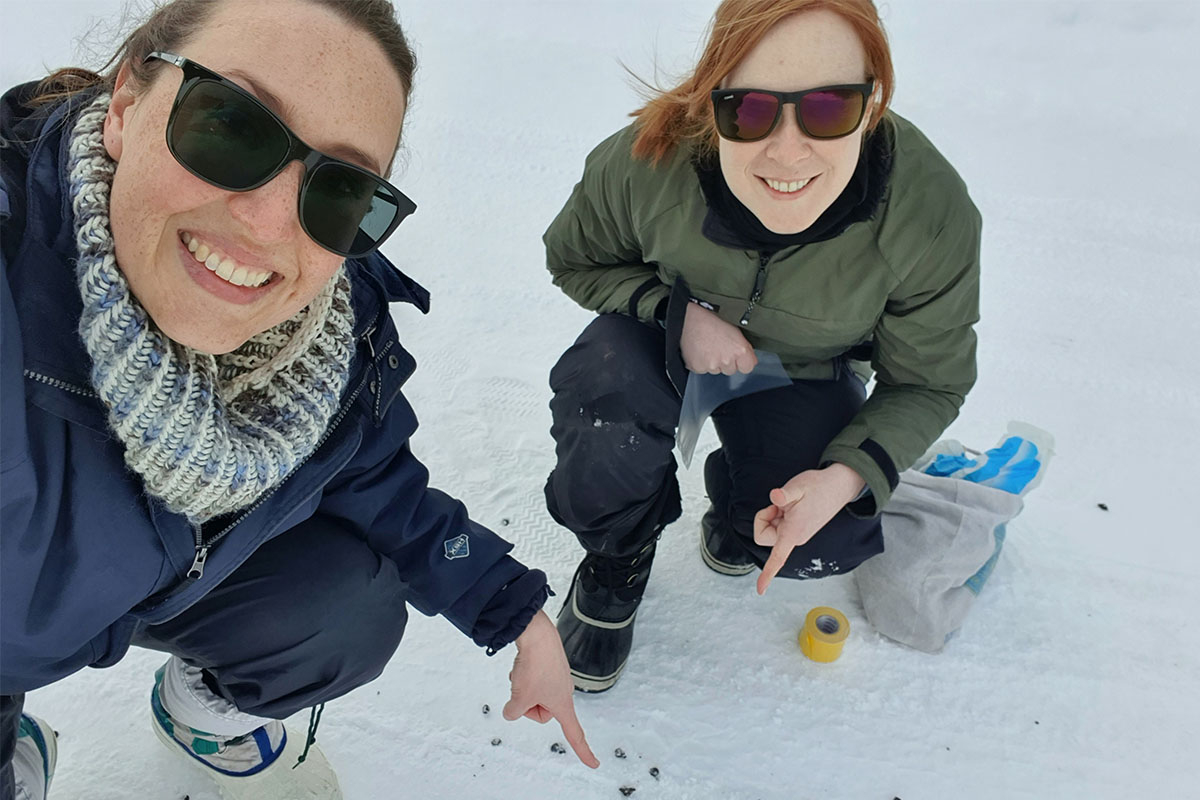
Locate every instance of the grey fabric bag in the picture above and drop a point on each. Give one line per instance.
(942, 536)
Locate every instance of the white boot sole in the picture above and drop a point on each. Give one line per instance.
(276, 782)
(716, 565)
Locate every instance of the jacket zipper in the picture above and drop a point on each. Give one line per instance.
(196, 572)
(197, 568)
(376, 382)
(57, 384)
(760, 280)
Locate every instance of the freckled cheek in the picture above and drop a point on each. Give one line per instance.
(317, 266)
(134, 220)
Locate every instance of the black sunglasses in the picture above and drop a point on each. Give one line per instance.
(827, 112)
(225, 136)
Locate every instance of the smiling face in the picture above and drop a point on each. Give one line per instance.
(331, 84)
(788, 179)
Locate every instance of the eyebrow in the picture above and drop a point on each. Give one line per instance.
(347, 152)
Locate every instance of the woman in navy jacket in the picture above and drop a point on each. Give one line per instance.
(205, 445)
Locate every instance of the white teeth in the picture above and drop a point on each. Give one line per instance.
(225, 267)
(787, 186)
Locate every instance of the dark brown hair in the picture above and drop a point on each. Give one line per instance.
(174, 23)
(684, 114)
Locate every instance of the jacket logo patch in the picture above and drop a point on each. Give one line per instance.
(458, 547)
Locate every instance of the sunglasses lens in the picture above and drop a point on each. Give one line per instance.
(350, 211)
(832, 113)
(746, 116)
(224, 138)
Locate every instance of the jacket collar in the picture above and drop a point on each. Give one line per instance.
(43, 269)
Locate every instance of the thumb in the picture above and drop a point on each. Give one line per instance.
(514, 709)
(786, 495)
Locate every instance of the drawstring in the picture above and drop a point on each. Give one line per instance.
(314, 721)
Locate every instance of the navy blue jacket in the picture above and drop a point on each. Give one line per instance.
(86, 554)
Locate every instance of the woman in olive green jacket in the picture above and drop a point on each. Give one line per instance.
(769, 204)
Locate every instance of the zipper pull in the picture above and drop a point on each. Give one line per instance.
(760, 280)
(197, 570)
(370, 344)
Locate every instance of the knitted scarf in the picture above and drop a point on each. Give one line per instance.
(207, 434)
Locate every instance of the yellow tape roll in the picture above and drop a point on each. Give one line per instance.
(825, 630)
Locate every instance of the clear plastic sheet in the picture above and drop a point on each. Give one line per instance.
(704, 393)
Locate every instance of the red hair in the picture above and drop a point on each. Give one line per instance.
(684, 114)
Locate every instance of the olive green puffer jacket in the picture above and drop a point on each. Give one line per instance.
(906, 281)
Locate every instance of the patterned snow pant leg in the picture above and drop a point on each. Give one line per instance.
(311, 615)
(614, 416)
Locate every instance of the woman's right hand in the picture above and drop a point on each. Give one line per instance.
(711, 345)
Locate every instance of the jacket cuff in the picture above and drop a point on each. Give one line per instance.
(875, 466)
(678, 298)
(510, 610)
(647, 301)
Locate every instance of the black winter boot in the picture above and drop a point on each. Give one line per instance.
(719, 547)
(596, 620)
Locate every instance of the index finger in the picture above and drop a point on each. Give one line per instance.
(574, 733)
(779, 556)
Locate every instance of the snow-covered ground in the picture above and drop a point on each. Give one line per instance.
(1077, 674)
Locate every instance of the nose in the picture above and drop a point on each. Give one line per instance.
(270, 212)
(787, 143)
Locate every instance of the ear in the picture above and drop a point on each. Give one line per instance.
(873, 98)
(118, 111)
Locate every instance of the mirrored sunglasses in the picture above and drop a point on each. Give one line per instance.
(827, 112)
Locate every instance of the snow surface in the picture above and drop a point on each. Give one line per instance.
(1077, 674)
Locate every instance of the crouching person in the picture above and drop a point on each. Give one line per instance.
(769, 203)
(205, 444)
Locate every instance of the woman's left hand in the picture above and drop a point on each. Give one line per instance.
(799, 509)
(542, 688)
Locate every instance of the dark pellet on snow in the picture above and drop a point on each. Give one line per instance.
(627, 790)
(1102, 506)
(619, 753)
(486, 708)
(654, 773)
(557, 748)
(504, 522)
(495, 741)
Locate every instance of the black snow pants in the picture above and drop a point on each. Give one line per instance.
(307, 618)
(614, 417)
